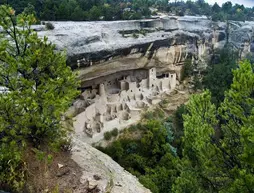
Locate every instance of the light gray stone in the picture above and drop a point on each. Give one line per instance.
(90, 41)
(113, 178)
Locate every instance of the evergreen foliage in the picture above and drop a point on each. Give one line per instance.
(151, 157)
(218, 76)
(38, 88)
(218, 155)
(83, 10)
(214, 147)
(109, 134)
(187, 69)
(227, 11)
(207, 145)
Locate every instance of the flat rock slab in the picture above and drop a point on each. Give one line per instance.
(102, 173)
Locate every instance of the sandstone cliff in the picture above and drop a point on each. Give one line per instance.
(109, 47)
(115, 58)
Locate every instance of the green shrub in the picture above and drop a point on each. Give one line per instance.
(41, 87)
(148, 182)
(218, 17)
(12, 172)
(197, 83)
(140, 157)
(154, 13)
(114, 132)
(64, 144)
(143, 32)
(134, 128)
(178, 117)
(148, 115)
(187, 69)
(180, 13)
(107, 135)
(135, 35)
(49, 26)
(158, 113)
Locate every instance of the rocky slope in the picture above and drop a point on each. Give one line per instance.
(102, 173)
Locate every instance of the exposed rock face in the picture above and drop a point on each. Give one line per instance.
(102, 173)
(167, 40)
(109, 47)
(93, 41)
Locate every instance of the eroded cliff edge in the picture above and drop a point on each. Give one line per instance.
(102, 173)
(121, 45)
(124, 66)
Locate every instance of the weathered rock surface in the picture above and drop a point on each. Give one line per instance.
(102, 173)
(108, 47)
(103, 38)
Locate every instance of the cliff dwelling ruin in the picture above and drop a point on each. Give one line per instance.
(116, 100)
(122, 75)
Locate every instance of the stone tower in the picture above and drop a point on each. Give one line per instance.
(102, 92)
(152, 78)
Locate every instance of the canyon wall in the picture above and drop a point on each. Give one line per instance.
(102, 48)
(113, 57)
(125, 67)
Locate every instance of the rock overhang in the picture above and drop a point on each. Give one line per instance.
(105, 42)
(80, 38)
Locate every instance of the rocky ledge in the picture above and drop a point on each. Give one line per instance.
(88, 43)
(163, 42)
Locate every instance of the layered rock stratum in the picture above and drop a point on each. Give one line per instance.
(164, 41)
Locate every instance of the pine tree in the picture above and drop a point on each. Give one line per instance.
(218, 143)
(37, 88)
